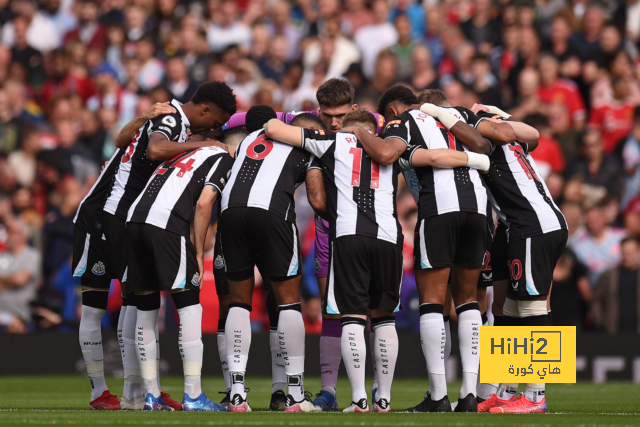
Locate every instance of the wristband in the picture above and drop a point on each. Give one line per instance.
(478, 161)
(446, 118)
(495, 110)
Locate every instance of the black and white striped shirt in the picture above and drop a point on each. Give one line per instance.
(135, 168)
(440, 190)
(361, 194)
(89, 214)
(265, 175)
(518, 193)
(169, 197)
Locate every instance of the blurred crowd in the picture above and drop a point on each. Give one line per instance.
(73, 72)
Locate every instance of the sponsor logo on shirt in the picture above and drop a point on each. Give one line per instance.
(395, 123)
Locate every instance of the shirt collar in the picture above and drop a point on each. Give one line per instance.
(178, 106)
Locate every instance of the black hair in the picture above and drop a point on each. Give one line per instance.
(257, 116)
(234, 136)
(218, 94)
(310, 119)
(396, 93)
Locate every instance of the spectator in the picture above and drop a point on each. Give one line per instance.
(193, 46)
(553, 89)
(151, 70)
(618, 65)
(528, 101)
(29, 58)
(613, 118)
(631, 216)
(616, 302)
(631, 160)
(64, 80)
(598, 246)
(561, 130)
(335, 50)
(485, 84)
(274, 65)
(180, 86)
(229, 31)
(42, 34)
(432, 37)
(423, 75)
(594, 167)
(20, 272)
(90, 32)
(135, 24)
(93, 136)
(281, 25)
(561, 46)
(571, 292)
(23, 161)
(110, 94)
(548, 155)
(373, 39)
(355, 16)
(481, 29)
(404, 48)
(416, 14)
(10, 126)
(588, 40)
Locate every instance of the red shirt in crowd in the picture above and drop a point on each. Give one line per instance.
(550, 152)
(564, 92)
(614, 119)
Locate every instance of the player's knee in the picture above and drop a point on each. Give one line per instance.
(96, 298)
(148, 301)
(185, 298)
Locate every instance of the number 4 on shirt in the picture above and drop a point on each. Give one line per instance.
(180, 163)
(355, 170)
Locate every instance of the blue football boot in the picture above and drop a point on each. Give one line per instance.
(326, 401)
(155, 404)
(201, 403)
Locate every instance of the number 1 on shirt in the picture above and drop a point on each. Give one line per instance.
(355, 170)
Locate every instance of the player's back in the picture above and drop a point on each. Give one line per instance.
(265, 175)
(360, 192)
(170, 195)
(135, 168)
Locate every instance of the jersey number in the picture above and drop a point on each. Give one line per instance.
(355, 170)
(181, 163)
(524, 163)
(260, 148)
(131, 148)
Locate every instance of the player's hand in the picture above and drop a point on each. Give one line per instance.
(479, 107)
(158, 109)
(105, 165)
(200, 259)
(430, 109)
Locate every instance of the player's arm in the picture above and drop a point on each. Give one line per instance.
(316, 195)
(161, 148)
(464, 133)
(201, 221)
(279, 131)
(129, 130)
(383, 151)
(523, 132)
(447, 159)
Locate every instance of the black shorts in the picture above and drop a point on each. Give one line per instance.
(219, 267)
(91, 261)
(452, 238)
(160, 260)
(532, 261)
(486, 274)
(364, 273)
(499, 265)
(115, 231)
(254, 236)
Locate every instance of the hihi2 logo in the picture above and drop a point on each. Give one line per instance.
(527, 354)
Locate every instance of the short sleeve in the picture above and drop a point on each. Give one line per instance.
(317, 141)
(314, 163)
(404, 162)
(167, 124)
(218, 176)
(397, 127)
(470, 117)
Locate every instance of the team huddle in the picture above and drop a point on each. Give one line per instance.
(145, 223)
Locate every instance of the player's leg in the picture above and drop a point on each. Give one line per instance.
(534, 258)
(90, 263)
(434, 247)
(330, 354)
(384, 301)
(222, 291)
(349, 266)
(278, 372)
(238, 242)
(280, 260)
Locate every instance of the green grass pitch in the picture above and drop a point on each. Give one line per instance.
(64, 401)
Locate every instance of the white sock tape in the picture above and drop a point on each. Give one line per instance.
(192, 368)
(149, 369)
(532, 308)
(510, 308)
(95, 369)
